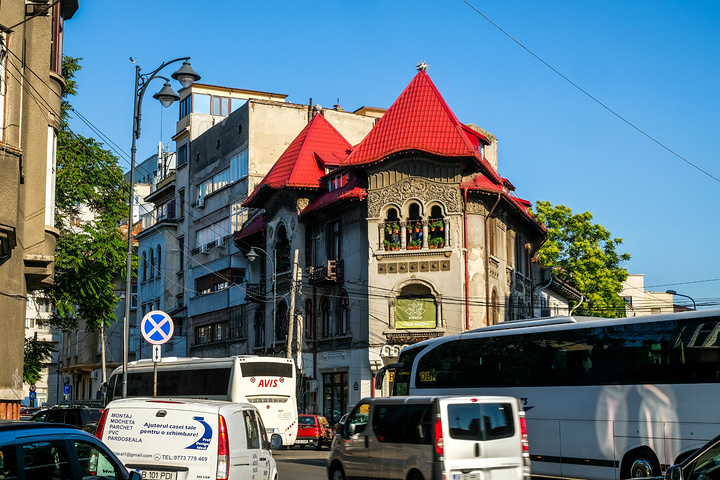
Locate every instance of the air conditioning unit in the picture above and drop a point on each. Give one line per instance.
(221, 242)
(200, 202)
(204, 248)
(94, 374)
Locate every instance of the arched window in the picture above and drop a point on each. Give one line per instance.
(391, 238)
(342, 316)
(159, 256)
(152, 263)
(282, 322)
(144, 267)
(259, 326)
(415, 308)
(282, 250)
(325, 313)
(414, 227)
(494, 309)
(309, 319)
(436, 228)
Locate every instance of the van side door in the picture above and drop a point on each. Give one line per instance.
(259, 456)
(353, 447)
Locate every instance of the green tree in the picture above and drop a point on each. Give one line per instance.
(584, 255)
(37, 352)
(91, 202)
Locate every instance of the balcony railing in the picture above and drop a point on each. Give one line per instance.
(331, 272)
(166, 211)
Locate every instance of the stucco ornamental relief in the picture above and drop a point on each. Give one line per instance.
(422, 190)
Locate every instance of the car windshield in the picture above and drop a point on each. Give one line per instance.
(306, 421)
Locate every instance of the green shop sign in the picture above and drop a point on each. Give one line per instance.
(415, 313)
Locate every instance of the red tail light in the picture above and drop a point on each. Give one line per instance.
(223, 450)
(101, 424)
(523, 434)
(439, 442)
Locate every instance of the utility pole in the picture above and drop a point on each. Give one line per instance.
(291, 312)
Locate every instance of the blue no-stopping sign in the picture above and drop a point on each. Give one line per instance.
(157, 327)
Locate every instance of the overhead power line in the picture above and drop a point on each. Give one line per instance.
(586, 93)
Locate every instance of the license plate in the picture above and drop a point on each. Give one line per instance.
(158, 475)
(467, 476)
(302, 441)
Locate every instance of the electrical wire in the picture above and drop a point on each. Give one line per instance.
(590, 96)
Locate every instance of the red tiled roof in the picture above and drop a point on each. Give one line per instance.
(303, 162)
(420, 120)
(350, 191)
(255, 226)
(480, 182)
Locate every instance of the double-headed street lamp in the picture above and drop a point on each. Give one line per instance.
(673, 292)
(166, 96)
(252, 255)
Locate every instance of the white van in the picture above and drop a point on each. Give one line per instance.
(432, 438)
(168, 439)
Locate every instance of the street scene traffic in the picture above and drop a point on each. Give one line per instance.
(389, 240)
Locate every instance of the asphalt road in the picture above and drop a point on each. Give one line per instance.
(296, 464)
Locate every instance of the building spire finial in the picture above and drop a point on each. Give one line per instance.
(422, 66)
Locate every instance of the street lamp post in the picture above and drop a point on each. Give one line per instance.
(251, 255)
(166, 96)
(673, 292)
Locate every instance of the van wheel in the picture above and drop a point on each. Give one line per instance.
(337, 474)
(640, 463)
(415, 475)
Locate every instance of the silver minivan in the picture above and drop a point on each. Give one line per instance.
(432, 438)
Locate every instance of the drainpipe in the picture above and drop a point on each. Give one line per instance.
(528, 263)
(582, 297)
(539, 290)
(465, 252)
(487, 259)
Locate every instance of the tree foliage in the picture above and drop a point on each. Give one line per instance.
(37, 352)
(91, 202)
(585, 256)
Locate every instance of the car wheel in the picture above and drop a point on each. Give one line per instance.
(337, 474)
(640, 463)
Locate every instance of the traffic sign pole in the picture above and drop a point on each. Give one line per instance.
(157, 327)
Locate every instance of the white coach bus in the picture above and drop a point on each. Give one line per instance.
(266, 382)
(604, 398)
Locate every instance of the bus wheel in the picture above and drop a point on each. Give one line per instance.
(640, 463)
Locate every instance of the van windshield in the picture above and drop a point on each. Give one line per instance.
(480, 421)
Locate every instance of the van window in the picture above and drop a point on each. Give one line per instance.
(402, 423)
(481, 421)
(253, 434)
(357, 420)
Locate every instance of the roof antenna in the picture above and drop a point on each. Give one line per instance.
(422, 66)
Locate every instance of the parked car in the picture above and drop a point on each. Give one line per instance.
(189, 439)
(72, 415)
(313, 430)
(703, 464)
(453, 437)
(48, 450)
(26, 413)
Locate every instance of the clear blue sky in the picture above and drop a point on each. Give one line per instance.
(655, 63)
